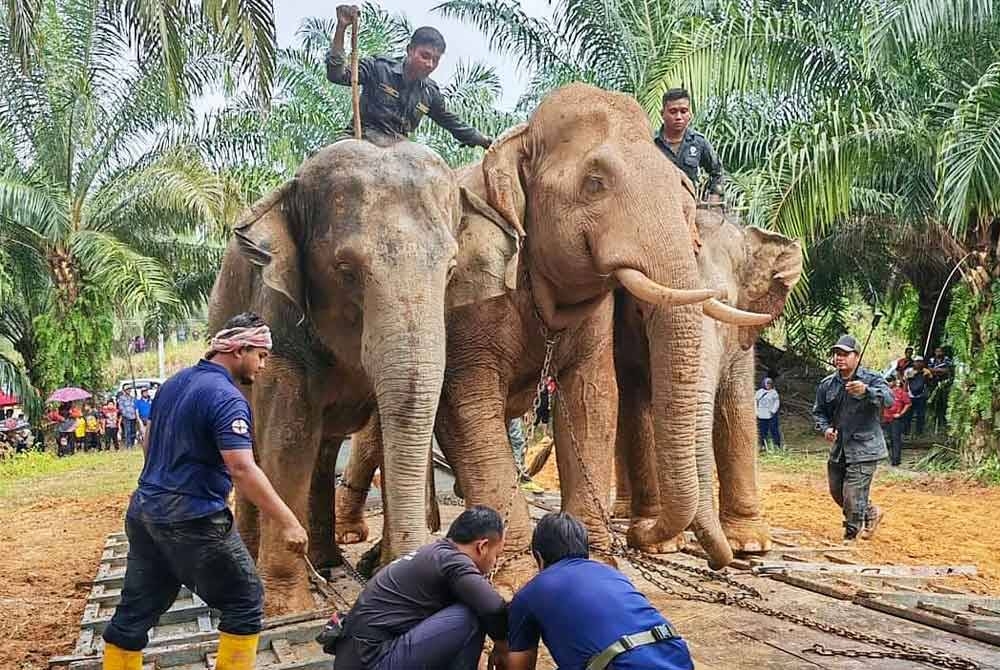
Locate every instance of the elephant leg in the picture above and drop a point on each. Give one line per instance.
(365, 458)
(585, 423)
(248, 524)
(322, 550)
(635, 463)
(735, 442)
(288, 427)
(472, 432)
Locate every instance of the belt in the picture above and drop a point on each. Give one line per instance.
(629, 642)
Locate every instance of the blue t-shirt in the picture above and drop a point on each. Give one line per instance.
(578, 607)
(198, 413)
(143, 407)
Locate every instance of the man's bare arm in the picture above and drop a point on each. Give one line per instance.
(522, 660)
(254, 485)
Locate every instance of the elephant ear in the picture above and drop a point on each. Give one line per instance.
(772, 267)
(486, 264)
(264, 237)
(504, 187)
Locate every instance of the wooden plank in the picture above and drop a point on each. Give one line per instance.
(765, 566)
(941, 599)
(979, 608)
(283, 652)
(815, 586)
(990, 623)
(929, 619)
(948, 612)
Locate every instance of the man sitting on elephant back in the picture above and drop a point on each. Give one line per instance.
(688, 149)
(589, 614)
(431, 608)
(848, 410)
(397, 92)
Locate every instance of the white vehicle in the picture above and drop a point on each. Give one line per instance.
(138, 384)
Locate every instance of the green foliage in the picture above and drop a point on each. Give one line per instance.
(973, 328)
(75, 342)
(32, 476)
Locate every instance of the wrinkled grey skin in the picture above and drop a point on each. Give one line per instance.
(348, 263)
(755, 270)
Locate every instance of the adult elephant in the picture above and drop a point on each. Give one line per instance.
(756, 270)
(597, 207)
(348, 262)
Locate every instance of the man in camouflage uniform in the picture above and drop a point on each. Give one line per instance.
(848, 406)
(687, 148)
(397, 92)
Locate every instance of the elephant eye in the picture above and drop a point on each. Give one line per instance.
(347, 273)
(594, 184)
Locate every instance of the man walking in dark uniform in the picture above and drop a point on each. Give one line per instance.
(848, 407)
(180, 531)
(687, 148)
(398, 93)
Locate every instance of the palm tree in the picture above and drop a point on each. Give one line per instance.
(100, 204)
(157, 30)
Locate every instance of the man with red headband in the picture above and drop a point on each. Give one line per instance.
(180, 531)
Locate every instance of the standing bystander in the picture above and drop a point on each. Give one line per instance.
(130, 417)
(918, 383)
(143, 406)
(941, 367)
(111, 421)
(893, 419)
(768, 402)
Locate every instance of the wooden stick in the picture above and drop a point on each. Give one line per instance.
(355, 85)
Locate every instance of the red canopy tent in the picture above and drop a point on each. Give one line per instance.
(8, 400)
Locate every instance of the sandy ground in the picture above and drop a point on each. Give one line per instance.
(52, 532)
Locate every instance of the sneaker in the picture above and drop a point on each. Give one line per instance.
(871, 524)
(531, 487)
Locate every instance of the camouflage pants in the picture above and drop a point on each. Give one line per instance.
(850, 484)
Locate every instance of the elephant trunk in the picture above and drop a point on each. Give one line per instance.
(706, 524)
(674, 335)
(404, 354)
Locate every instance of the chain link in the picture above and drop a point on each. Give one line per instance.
(660, 572)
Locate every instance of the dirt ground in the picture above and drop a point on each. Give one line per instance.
(52, 531)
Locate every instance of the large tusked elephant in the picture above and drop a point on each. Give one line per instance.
(756, 269)
(348, 262)
(598, 207)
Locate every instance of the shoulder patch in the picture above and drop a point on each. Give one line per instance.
(693, 150)
(389, 89)
(423, 109)
(240, 427)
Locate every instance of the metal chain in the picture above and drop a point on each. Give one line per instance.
(551, 341)
(657, 571)
(349, 568)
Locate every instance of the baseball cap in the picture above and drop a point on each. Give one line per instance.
(918, 357)
(846, 343)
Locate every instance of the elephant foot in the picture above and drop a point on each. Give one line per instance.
(286, 595)
(645, 535)
(350, 526)
(514, 573)
(747, 536)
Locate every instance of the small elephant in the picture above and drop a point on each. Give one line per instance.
(756, 270)
(349, 263)
(597, 206)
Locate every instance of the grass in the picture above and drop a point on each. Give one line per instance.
(27, 478)
(176, 357)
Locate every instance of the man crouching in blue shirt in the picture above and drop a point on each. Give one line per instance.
(179, 529)
(588, 614)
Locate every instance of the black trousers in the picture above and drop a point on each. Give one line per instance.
(850, 484)
(207, 555)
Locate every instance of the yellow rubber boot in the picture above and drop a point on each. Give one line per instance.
(116, 658)
(236, 652)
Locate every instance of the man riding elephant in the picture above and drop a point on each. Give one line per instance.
(398, 93)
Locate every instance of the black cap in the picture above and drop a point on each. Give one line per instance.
(846, 343)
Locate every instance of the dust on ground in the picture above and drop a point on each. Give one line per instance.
(929, 519)
(52, 530)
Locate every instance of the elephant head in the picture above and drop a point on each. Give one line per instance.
(597, 206)
(360, 246)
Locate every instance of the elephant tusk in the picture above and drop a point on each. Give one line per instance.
(647, 290)
(737, 317)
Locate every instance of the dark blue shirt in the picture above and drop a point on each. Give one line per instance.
(143, 407)
(198, 413)
(578, 607)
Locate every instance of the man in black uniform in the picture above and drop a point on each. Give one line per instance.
(398, 93)
(431, 608)
(848, 407)
(688, 149)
